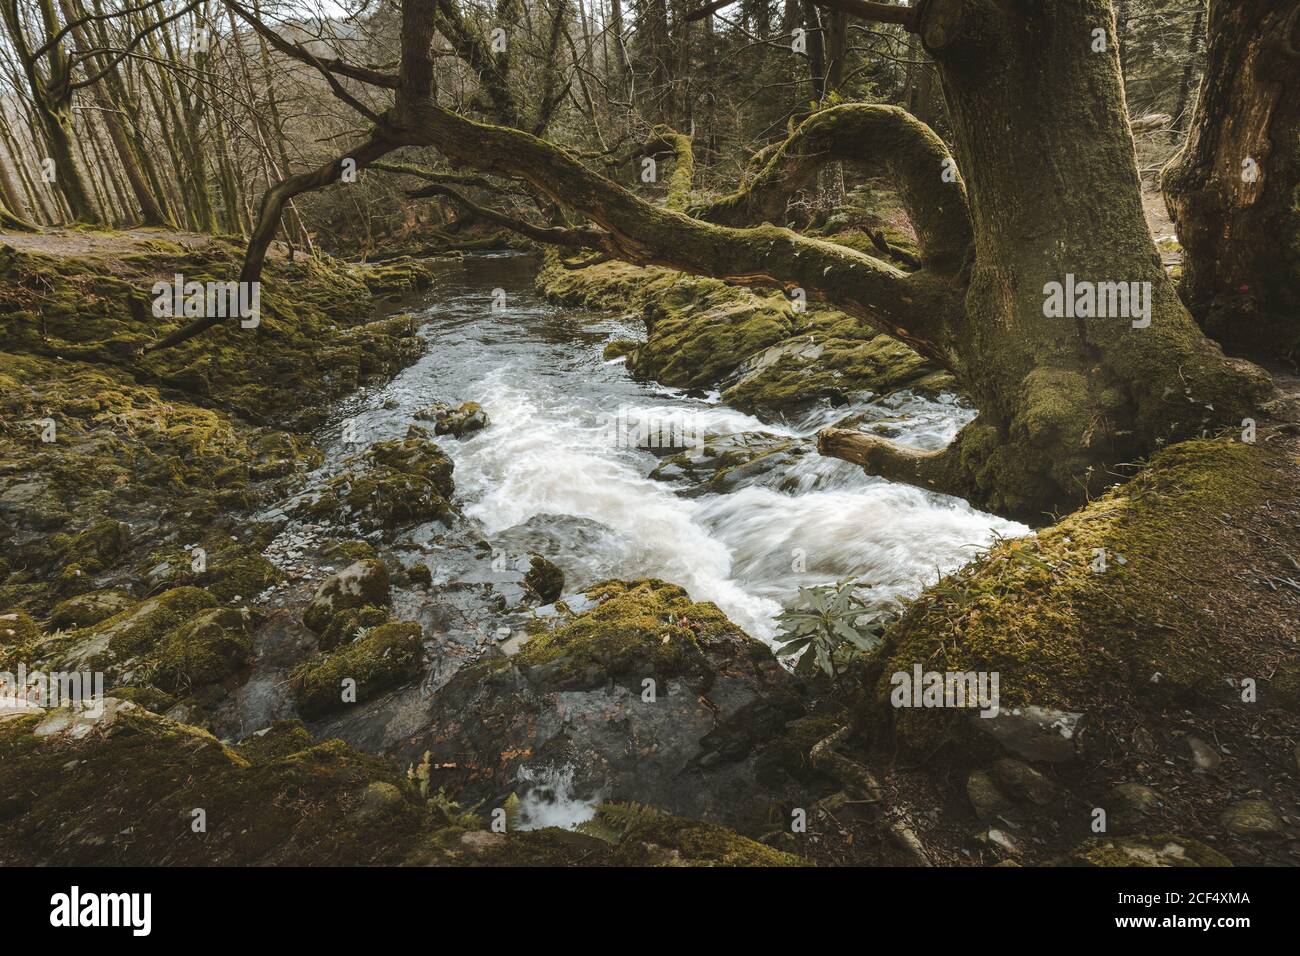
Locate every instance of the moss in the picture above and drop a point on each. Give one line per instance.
(207, 648)
(703, 332)
(244, 576)
(150, 698)
(91, 608)
(350, 551)
(545, 579)
(1063, 633)
(307, 807)
(642, 629)
(282, 738)
(385, 657)
(18, 628)
(133, 632)
(1159, 850)
(620, 348)
(362, 583)
(347, 624)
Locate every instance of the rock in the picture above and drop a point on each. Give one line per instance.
(130, 634)
(545, 579)
(89, 608)
(642, 688)
(1161, 850)
(1001, 841)
(1204, 757)
(1035, 733)
(985, 797)
(386, 656)
(349, 623)
(457, 422)
(1252, 818)
(391, 485)
(359, 584)
(1130, 804)
(1024, 782)
(420, 575)
(207, 648)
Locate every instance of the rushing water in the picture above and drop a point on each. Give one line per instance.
(551, 464)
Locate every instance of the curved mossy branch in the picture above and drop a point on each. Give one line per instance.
(682, 175)
(572, 238)
(887, 141)
(268, 221)
(935, 470)
(916, 308)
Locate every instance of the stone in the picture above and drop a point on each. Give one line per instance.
(364, 582)
(985, 798)
(1035, 733)
(1024, 782)
(1252, 818)
(1204, 757)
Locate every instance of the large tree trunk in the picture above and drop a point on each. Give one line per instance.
(1042, 135)
(1234, 190)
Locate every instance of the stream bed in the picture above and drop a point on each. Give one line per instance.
(562, 469)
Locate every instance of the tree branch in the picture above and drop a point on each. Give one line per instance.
(898, 147)
(268, 221)
(936, 470)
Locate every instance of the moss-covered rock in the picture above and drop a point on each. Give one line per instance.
(129, 635)
(364, 582)
(1161, 850)
(384, 657)
(544, 579)
(769, 357)
(207, 648)
(459, 421)
(346, 625)
(1108, 604)
(90, 608)
(390, 485)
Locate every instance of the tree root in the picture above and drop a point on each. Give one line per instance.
(933, 470)
(860, 784)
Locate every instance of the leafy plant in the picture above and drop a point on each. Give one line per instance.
(831, 625)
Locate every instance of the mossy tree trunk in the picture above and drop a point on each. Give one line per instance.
(1042, 136)
(1234, 189)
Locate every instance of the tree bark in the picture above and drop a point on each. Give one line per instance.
(1234, 190)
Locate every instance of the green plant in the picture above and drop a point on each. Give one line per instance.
(832, 625)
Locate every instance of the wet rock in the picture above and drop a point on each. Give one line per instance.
(359, 584)
(90, 608)
(1252, 818)
(643, 690)
(545, 579)
(1204, 757)
(385, 657)
(457, 422)
(1035, 733)
(391, 485)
